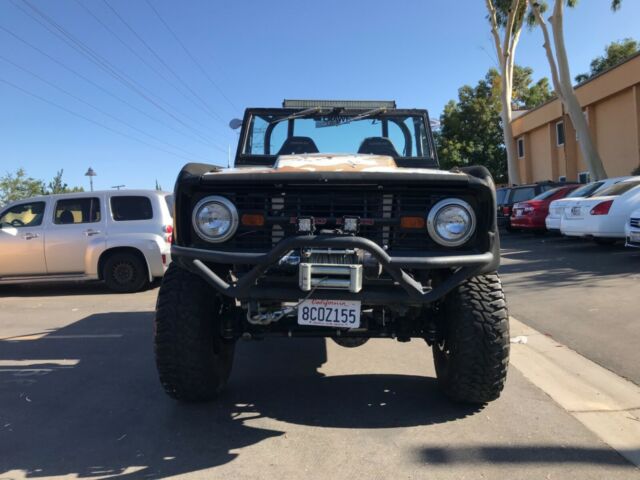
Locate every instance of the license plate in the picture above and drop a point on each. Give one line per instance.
(518, 212)
(634, 237)
(329, 313)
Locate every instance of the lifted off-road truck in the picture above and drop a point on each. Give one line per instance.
(335, 222)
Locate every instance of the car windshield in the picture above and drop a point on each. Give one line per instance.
(370, 132)
(618, 188)
(501, 194)
(586, 190)
(547, 194)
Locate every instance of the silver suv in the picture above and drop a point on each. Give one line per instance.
(121, 237)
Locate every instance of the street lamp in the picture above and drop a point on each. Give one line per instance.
(90, 173)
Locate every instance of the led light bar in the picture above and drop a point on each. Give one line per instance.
(350, 104)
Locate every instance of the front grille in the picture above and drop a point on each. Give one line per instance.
(383, 207)
(635, 222)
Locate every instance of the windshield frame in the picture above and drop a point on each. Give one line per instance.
(429, 159)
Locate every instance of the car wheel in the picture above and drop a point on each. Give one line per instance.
(472, 356)
(125, 272)
(193, 360)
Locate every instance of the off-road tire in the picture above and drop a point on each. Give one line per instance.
(125, 273)
(193, 360)
(471, 360)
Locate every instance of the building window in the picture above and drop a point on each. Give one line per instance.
(559, 134)
(562, 178)
(520, 147)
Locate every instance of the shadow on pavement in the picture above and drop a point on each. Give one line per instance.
(522, 455)
(61, 289)
(554, 261)
(85, 400)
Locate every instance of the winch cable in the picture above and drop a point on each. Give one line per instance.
(267, 318)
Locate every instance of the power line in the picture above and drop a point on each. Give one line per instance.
(113, 117)
(141, 58)
(95, 122)
(101, 88)
(108, 67)
(167, 66)
(193, 59)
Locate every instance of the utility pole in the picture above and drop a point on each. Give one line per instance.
(90, 173)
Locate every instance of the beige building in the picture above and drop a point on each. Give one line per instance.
(546, 141)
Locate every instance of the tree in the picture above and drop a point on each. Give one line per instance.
(470, 129)
(58, 186)
(506, 17)
(615, 53)
(16, 186)
(561, 76)
(524, 96)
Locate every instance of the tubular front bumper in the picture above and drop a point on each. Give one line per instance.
(407, 290)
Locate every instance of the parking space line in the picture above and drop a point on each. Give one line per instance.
(45, 336)
(63, 362)
(99, 335)
(19, 338)
(604, 402)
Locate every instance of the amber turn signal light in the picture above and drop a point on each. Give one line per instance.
(412, 222)
(251, 220)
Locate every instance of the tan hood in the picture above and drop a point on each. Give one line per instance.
(327, 162)
(331, 162)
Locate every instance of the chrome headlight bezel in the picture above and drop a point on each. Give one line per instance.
(437, 209)
(233, 214)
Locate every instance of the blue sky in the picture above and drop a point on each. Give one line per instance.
(253, 53)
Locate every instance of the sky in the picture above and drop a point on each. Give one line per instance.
(135, 95)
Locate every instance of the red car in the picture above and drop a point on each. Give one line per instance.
(530, 215)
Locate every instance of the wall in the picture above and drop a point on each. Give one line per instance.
(616, 133)
(611, 102)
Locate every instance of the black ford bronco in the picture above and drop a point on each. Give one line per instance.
(334, 222)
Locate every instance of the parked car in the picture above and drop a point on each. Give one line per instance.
(520, 193)
(122, 237)
(348, 231)
(531, 215)
(557, 207)
(603, 217)
(632, 229)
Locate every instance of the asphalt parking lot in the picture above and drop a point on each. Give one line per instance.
(584, 295)
(80, 396)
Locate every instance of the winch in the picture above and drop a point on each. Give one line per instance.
(331, 269)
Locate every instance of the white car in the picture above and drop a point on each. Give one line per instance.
(122, 237)
(604, 216)
(632, 229)
(557, 207)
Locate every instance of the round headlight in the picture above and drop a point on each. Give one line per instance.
(451, 222)
(215, 219)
